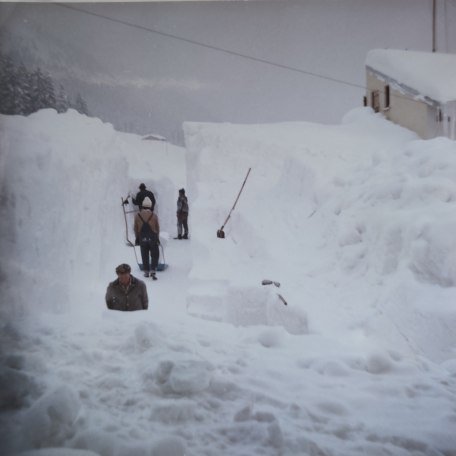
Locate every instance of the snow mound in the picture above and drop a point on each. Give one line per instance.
(50, 420)
(187, 376)
(247, 306)
(351, 219)
(169, 446)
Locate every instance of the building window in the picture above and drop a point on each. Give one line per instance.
(387, 97)
(375, 100)
(365, 101)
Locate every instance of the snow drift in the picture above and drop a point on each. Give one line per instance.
(354, 220)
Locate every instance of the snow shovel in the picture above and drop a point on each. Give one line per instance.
(220, 232)
(125, 212)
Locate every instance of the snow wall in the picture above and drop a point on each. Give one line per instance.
(62, 178)
(355, 220)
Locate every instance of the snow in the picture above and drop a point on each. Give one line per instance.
(431, 74)
(355, 221)
(153, 137)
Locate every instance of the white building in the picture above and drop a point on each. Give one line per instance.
(414, 89)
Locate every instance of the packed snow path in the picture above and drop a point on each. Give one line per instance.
(361, 361)
(168, 295)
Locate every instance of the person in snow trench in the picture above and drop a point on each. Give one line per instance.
(182, 215)
(127, 292)
(141, 195)
(147, 232)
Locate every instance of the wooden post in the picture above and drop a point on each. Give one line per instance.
(434, 25)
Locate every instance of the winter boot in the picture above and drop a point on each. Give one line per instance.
(179, 236)
(153, 275)
(146, 274)
(185, 236)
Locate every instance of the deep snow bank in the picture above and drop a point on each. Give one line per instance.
(351, 366)
(356, 220)
(62, 179)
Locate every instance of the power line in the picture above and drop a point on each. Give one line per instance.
(214, 48)
(226, 51)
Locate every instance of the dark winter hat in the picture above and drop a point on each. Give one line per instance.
(146, 202)
(182, 191)
(142, 186)
(123, 268)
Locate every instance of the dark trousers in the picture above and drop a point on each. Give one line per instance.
(150, 249)
(182, 222)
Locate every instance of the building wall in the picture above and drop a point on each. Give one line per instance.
(404, 110)
(449, 120)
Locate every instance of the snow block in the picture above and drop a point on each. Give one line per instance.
(207, 301)
(270, 338)
(15, 388)
(103, 443)
(146, 336)
(49, 422)
(184, 376)
(169, 446)
(251, 306)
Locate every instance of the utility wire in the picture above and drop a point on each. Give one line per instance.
(226, 51)
(214, 48)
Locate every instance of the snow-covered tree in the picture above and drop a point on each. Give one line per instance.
(24, 96)
(62, 103)
(42, 93)
(9, 87)
(24, 91)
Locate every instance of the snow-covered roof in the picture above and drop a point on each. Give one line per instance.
(431, 74)
(154, 137)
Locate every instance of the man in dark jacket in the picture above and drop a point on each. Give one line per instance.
(127, 292)
(182, 215)
(143, 192)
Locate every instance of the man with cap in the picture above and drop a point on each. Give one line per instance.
(143, 192)
(126, 293)
(182, 215)
(147, 232)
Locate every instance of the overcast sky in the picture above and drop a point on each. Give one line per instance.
(185, 81)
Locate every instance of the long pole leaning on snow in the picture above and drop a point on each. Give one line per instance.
(220, 232)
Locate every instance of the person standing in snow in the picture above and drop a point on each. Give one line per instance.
(147, 232)
(127, 293)
(143, 193)
(182, 215)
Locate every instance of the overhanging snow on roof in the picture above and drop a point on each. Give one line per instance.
(429, 75)
(403, 88)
